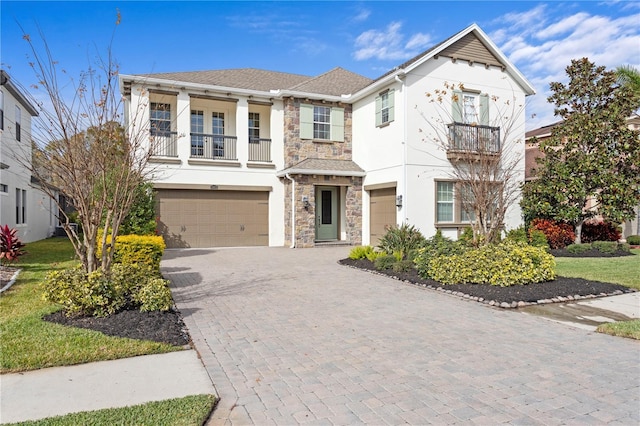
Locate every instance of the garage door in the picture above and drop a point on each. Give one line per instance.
(382, 212)
(194, 218)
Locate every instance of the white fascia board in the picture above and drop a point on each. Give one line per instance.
(376, 85)
(282, 173)
(316, 96)
(177, 84)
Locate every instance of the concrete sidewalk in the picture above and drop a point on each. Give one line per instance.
(56, 391)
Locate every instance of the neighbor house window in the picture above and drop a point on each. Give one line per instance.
(160, 119)
(4, 188)
(197, 133)
(1, 110)
(21, 206)
(254, 127)
(321, 123)
(18, 123)
(217, 127)
(384, 107)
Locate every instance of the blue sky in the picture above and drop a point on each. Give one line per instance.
(310, 38)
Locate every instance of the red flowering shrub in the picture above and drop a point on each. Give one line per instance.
(599, 231)
(559, 234)
(10, 244)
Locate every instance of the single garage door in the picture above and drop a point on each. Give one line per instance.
(195, 218)
(382, 212)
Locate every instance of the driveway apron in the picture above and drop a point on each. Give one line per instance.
(291, 337)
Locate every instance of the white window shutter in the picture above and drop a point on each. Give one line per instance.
(306, 121)
(457, 104)
(378, 110)
(484, 109)
(391, 104)
(337, 124)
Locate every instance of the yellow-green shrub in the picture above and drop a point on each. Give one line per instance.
(140, 249)
(360, 252)
(154, 295)
(503, 264)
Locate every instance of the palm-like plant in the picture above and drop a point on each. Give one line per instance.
(10, 244)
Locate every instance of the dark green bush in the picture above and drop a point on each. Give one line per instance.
(401, 240)
(436, 246)
(99, 294)
(634, 240)
(534, 237)
(608, 247)
(578, 248)
(403, 266)
(385, 261)
(503, 264)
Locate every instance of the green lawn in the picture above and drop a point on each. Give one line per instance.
(619, 270)
(188, 411)
(29, 343)
(630, 329)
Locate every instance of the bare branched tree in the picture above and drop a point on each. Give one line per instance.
(82, 150)
(483, 154)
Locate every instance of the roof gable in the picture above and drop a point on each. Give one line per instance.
(470, 48)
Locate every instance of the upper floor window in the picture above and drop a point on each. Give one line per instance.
(385, 107)
(217, 128)
(197, 133)
(470, 108)
(254, 127)
(4, 188)
(1, 110)
(321, 122)
(18, 123)
(160, 119)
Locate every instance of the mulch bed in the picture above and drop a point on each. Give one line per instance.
(562, 289)
(164, 327)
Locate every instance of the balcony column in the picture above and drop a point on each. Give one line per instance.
(242, 130)
(183, 125)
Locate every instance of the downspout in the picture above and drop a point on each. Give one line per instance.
(293, 210)
(404, 152)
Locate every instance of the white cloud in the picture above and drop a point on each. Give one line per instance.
(363, 15)
(542, 43)
(389, 44)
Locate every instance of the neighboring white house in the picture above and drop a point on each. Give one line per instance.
(24, 205)
(254, 157)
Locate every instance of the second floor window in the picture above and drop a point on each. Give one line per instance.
(254, 127)
(18, 123)
(322, 123)
(217, 128)
(160, 119)
(470, 108)
(384, 107)
(197, 133)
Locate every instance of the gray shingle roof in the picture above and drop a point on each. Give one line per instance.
(241, 78)
(336, 82)
(321, 166)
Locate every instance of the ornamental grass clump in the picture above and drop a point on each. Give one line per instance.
(503, 264)
(401, 241)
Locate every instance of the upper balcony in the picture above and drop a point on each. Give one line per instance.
(473, 142)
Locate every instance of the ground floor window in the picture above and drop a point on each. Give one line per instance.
(21, 206)
(449, 205)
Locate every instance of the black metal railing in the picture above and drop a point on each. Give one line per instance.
(474, 138)
(213, 147)
(164, 144)
(260, 149)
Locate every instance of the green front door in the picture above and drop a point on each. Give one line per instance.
(326, 213)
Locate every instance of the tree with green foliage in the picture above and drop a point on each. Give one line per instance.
(629, 78)
(591, 162)
(141, 219)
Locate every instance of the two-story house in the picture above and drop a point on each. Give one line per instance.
(253, 157)
(23, 205)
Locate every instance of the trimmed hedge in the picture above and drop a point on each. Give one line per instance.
(99, 294)
(599, 231)
(504, 264)
(138, 249)
(634, 240)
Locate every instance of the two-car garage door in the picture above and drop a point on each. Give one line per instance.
(197, 218)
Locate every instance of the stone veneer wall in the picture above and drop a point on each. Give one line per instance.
(296, 150)
(306, 218)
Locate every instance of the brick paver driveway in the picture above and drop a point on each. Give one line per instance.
(288, 336)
